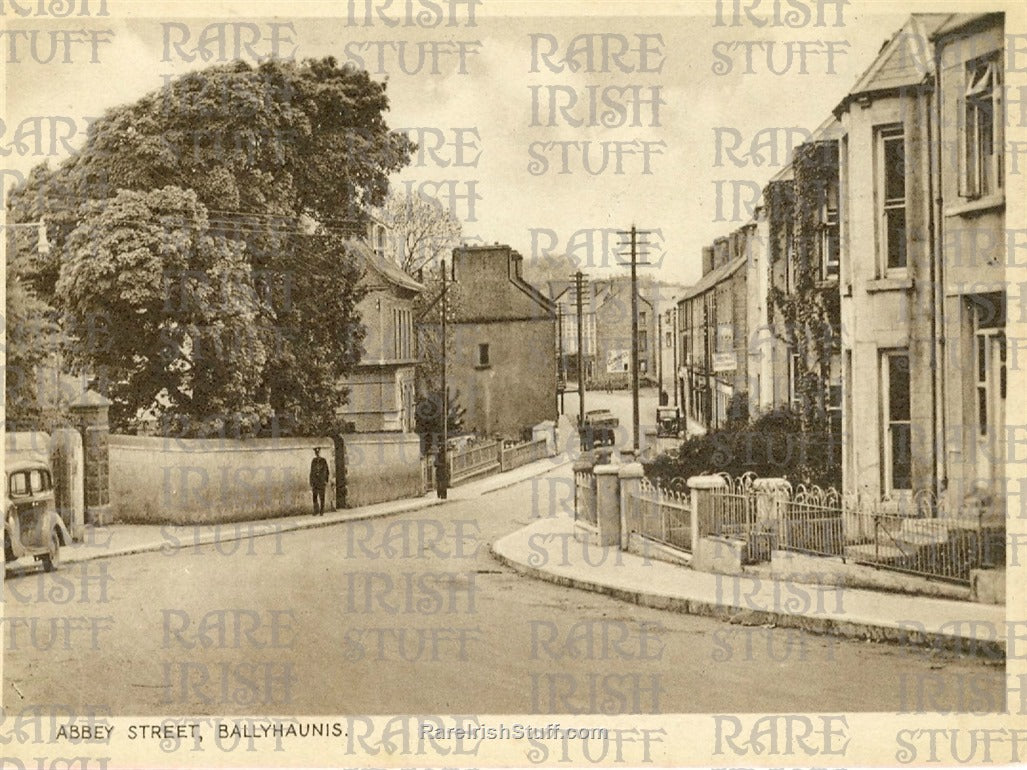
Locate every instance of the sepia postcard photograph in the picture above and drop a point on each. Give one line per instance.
(497, 383)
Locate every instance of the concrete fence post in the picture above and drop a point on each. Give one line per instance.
(700, 489)
(608, 504)
(547, 430)
(772, 495)
(584, 464)
(89, 412)
(630, 477)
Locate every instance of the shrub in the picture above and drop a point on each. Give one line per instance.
(773, 445)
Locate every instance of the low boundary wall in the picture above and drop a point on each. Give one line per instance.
(156, 480)
(380, 467)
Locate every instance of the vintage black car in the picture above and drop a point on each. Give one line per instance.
(31, 524)
(668, 422)
(599, 429)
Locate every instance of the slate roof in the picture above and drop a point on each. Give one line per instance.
(387, 269)
(714, 277)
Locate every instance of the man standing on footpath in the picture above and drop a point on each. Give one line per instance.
(318, 481)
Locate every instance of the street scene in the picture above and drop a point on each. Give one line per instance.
(440, 359)
(350, 618)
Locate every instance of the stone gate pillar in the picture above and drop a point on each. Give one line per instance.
(89, 412)
(630, 476)
(608, 504)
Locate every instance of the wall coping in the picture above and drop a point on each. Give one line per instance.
(382, 437)
(631, 471)
(169, 444)
(606, 470)
(706, 482)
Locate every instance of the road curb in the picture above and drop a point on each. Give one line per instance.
(858, 629)
(256, 528)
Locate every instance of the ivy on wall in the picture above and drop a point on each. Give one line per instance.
(808, 310)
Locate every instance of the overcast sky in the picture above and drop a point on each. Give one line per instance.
(492, 100)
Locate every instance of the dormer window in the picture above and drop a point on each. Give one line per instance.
(379, 239)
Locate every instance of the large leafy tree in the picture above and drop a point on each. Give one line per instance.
(247, 177)
(161, 312)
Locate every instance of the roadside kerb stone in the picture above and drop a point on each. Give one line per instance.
(263, 528)
(866, 629)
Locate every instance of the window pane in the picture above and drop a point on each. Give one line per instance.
(19, 484)
(898, 388)
(894, 169)
(901, 460)
(982, 411)
(896, 235)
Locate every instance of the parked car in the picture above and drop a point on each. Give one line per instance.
(31, 524)
(668, 422)
(599, 428)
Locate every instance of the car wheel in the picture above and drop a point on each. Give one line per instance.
(52, 559)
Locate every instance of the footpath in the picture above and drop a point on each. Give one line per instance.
(547, 550)
(125, 539)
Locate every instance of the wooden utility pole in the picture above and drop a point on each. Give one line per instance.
(635, 243)
(579, 278)
(561, 372)
(442, 469)
(674, 340)
(659, 358)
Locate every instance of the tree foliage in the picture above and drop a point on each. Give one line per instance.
(423, 231)
(37, 395)
(198, 254)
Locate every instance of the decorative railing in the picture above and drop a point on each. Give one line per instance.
(913, 533)
(585, 498)
(660, 514)
(522, 454)
(474, 461)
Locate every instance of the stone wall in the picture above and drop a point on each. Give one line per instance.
(381, 467)
(157, 480)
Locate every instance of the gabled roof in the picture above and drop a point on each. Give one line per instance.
(957, 21)
(387, 269)
(714, 277)
(530, 289)
(904, 60)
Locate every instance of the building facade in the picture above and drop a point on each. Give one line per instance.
(382, 386)
(613, 324)
(972, 238)
(503, 364)
(884, 241)
(713, 320)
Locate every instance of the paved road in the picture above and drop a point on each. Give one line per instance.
(619, 403)
(411, 614)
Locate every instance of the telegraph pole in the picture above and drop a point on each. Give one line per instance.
(562, 370)
(634, 341)
(442, 470)
(579, 278)
(659, 358)
(635, 243)
(674, 339)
